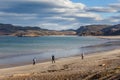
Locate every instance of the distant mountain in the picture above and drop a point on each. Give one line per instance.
(93, 30)
(89, 30)
(9, 29)
(98, 30)
(112, 30)
(69, 30)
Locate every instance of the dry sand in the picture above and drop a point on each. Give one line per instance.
(72, 68)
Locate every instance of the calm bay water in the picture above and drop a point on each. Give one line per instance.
(17, 50)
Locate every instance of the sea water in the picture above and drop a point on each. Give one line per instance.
(18, 50)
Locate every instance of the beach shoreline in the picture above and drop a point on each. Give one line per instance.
(23, 50)
(92, 47)
(72, 64)
(108, 37)
(92, 64)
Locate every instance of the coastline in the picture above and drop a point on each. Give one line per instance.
(108, 37)
(32, 47)
(91, 61)
(63, 66)
(98, 48)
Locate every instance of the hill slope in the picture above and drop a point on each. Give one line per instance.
(89, 30)
(9, 29)
(112, 30)
(99, 30)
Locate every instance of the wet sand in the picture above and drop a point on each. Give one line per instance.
(65, 67)
(108, 37)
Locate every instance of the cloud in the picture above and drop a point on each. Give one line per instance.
(17, 16)
(52, 14)
(110, 8)
(115, 18)
(101, 9)
(115, 6)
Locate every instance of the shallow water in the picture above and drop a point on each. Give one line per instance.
(18, 50)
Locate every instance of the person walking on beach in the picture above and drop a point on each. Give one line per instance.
(53, 59)
(82, 56)
(34, 61)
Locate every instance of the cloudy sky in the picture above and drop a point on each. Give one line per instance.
(59, 14)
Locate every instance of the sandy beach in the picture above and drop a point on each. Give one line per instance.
(72, 68)
(103, 65)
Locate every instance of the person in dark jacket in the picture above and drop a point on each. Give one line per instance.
(53, 59)
(34, 61)
(82, 56)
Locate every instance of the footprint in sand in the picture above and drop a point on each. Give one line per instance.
(52, 68)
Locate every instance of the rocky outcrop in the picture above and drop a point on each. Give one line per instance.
(112, 30)
(99, 30)
(91, 30)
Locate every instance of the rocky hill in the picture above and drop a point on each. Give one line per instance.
(98, 30)
(94, 30)
(112, 30)
(89, 30)
(9, 29)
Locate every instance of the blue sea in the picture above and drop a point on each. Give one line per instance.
(21, 50)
